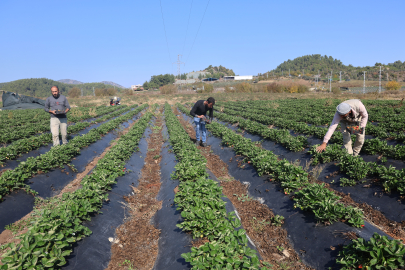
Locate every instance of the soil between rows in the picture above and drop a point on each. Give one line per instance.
(136, 242)
(271, 241)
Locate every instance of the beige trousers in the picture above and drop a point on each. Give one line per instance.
(55, 124)
(347, 140)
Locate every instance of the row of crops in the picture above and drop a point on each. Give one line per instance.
(291, 124)
(50, 238)
(315, 197)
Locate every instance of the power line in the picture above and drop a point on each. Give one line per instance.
(189, 15)
(164, 27)
(198, 31)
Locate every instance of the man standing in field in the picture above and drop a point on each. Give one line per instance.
(353, 117)
(57, 105)
(199, 112)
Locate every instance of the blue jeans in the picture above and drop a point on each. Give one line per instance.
(200, 125)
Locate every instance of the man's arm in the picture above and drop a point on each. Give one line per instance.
(328, 135)
(211, 113)
(67, 105)
(332, 127)
(47, 104)
(364, 115)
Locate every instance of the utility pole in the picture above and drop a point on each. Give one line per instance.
(340, 76)
(94, 93)
(178, 62)
(82, 91)
(289, 74)
(379, 84)
(282, 74)
(364, 82)
(330, 84)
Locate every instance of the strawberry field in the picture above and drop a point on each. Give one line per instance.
(131, 190)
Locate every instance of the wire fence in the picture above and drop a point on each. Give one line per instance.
(372, 89)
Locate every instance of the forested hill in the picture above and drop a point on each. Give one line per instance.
(42, 87)
(217, 72)
(310, 65)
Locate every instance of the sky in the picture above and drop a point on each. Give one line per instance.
(128, 41)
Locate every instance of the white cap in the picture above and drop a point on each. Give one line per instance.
(343, 108)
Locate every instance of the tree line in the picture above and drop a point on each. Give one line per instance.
(42, 87)
(309, 65)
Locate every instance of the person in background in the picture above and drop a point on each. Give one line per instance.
(199, 112)
(353, 118)
(57, 106)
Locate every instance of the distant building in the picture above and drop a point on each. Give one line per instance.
(238, 78)
(137, 87)
(210, 79)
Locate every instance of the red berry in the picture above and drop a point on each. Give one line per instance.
(360, 266)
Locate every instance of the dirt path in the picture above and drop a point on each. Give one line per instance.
(257, 219)
(136, 243)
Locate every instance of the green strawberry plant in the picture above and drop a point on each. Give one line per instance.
(377, 253)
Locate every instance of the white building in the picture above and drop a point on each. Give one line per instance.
(238, 78)
(136, 87)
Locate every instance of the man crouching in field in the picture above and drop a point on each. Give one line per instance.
(353, 117)
(57, 105)
(199, 111)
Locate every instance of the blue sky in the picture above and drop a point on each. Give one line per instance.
(124, 41)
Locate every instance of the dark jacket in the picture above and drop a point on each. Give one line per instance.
(59, 103)
(200, 109)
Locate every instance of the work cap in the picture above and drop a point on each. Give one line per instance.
(343, 108)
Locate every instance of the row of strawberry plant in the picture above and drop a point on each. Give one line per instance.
(57, 156)
(281, 136)
(31, 129)
(377, 253)
(59, 223)
(21, 117)
(21, 146)
(326, 208)
(203, 210)
(318, 111)
(17, 118)
(372, 146)
(356, 168)
(18, 147)
(314, 114)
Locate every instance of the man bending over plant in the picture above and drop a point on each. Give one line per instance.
(199, 112)
(353, 117)
(57, 106)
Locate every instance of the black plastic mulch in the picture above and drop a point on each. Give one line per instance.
(17, 204)
(94, 251)
(316, 244)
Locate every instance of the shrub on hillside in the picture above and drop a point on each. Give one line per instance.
(336, 90)
(243, 87)
(168, 89)
(74, 92)
(392, 85)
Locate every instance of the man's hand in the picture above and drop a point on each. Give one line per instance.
(53, 112)
(200, 116)
(66, 110)
(321, 148)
